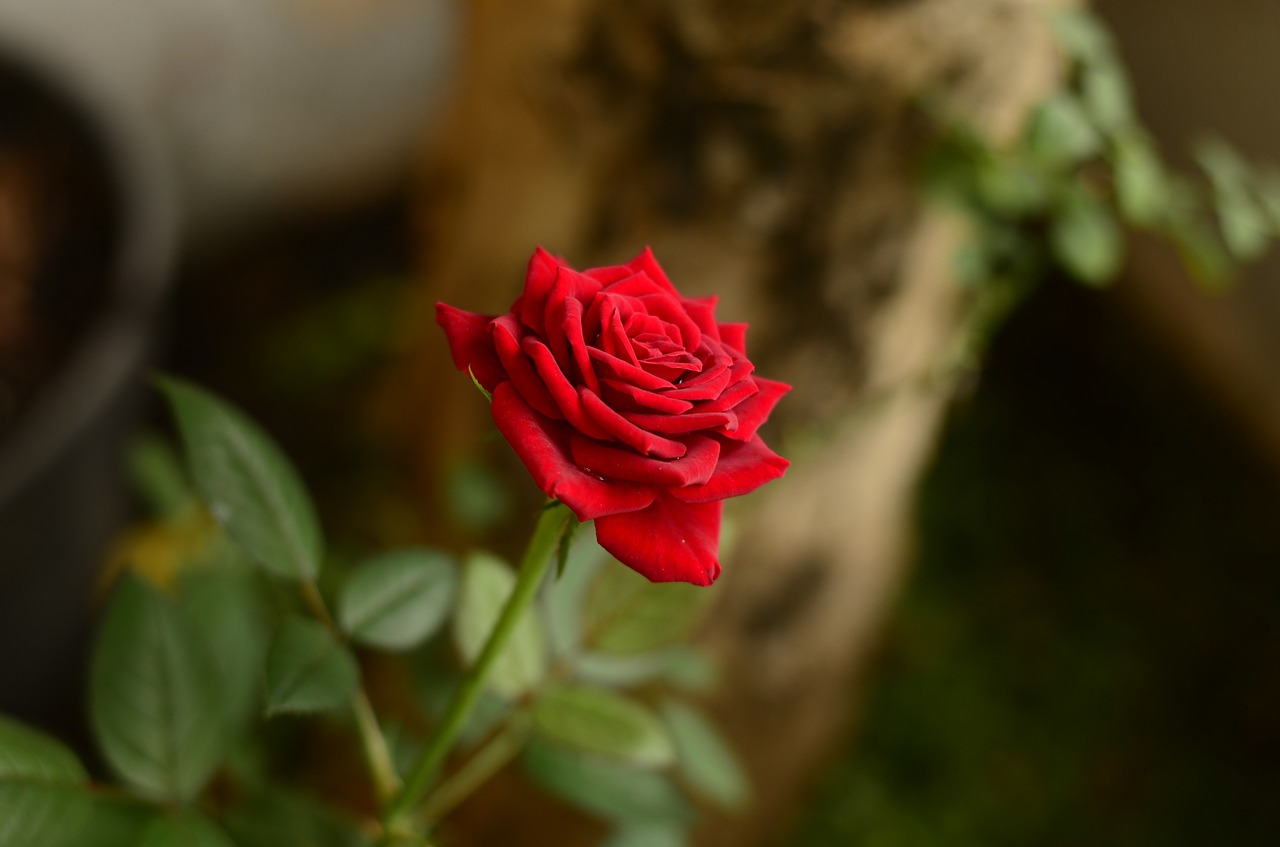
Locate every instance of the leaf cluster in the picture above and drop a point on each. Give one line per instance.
(218, 636)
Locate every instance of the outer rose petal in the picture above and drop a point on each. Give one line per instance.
(734, 336)
(743, 467)
(753, 411)
(538, 280)
(693, 468)
(542, 444)
(647, 264)
(669, 541)
(470, 345)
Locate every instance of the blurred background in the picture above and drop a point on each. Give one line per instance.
(1018, 587)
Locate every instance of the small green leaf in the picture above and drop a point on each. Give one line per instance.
(706, 760)
(248, 482)
(1060, 132)
(648, 835)
(1268, 187)
(487, 395)
(157, 474)
(1244, 224)
(1106, 95)
(608, 789)
(596, 720)
(487, 582)
(563, 599)
(1082, 34)
(1202, 250)
(42, 801)
(1086, 239)
(565, 545)
(184, 830)
(308, 670)
(1141, 184)
(399, 599)
(625, 613)
(153, 696)
(1013, 187)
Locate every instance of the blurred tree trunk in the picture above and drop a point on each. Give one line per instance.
(768, 151)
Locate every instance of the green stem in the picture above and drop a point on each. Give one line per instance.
(377, 754)
(477, 771)
(537, 557)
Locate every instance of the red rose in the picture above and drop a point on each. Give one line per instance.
(628, 403)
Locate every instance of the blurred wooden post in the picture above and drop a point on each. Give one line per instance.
(768, 152)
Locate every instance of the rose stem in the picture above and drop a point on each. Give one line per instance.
(491, 758)
(537, 557)
(376, 753)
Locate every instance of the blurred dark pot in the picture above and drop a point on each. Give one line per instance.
(61, 489)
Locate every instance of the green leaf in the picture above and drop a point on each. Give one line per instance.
(1202, 251)
(1107, 97)
(625, 613)
(279, 817)
(691, 670)
(1082, 34)
(565, 546)
(487, 582)
(1268, 187)
(225, 610)
(563, 599)
(308, 670)
(399, 599)
(1141, 184)
(596, 720)
(648, 835)
(42, 801)
(116, 822)
(604, 788)
(706, 760)
(1060, 132)
(1245, 228)
(249, 484)
(153, 696)
(488, 396)
(1086, 239)
(184, 830)
(1010, 186)
(156, 473)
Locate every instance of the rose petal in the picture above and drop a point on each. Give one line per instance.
(694, 468)
(734, 336)
(542, 445)
(682, 424)
(538, 279)
(562, 391)
(743, 467)
(702, 311)
(572, 328)
(729, 398)
(672, 311)
(613, 335)
(609, 274)
(470, 345)
(569, 287)
(611, 367)
(669, 541)
(628, 433)
(622, 394)
(645, 263)
(506, 333)
(753, 411)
